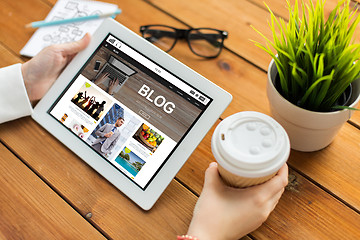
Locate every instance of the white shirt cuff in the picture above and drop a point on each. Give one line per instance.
(14, 101)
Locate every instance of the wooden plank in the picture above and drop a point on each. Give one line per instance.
(29, 209)
(88, 192)
(204, 13)
(13, 17)
(279, 7)
(304, 212)
(244, 14)
(8, 57)
(337, 167)
(133, 12)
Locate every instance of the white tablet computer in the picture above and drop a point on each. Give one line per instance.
(130, 111)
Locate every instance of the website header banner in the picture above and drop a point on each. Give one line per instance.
(158, 70)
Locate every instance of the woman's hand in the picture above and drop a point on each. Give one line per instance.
(41, 71)
(224, 212)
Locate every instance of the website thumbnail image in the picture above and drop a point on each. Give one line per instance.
(113, 131)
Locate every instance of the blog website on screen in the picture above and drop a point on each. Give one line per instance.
(131, 111)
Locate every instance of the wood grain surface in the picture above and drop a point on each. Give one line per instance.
(47, 192)
(30, 209)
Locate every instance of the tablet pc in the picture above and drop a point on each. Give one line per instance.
(130, 111)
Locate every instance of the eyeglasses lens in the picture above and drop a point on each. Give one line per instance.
(161, 36)
(205, 42)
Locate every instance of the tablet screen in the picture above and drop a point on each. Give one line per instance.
(129, 110)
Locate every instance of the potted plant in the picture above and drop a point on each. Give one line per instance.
(313, 78)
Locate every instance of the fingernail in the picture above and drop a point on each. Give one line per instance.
(213, 164)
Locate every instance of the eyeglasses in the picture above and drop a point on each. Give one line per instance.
(204, 42)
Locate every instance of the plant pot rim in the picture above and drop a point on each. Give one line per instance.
(353, 101)
(304, 117)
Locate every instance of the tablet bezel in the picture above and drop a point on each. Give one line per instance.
(144, 198)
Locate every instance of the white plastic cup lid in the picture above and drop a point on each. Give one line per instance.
(250, 144)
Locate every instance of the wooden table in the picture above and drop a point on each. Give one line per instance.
(46, 192)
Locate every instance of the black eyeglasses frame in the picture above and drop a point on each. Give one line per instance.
(184, 34)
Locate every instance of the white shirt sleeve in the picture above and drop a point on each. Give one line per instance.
(14, 102)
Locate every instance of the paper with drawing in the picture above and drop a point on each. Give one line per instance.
(64, 9)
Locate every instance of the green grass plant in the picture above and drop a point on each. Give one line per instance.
(316, 59)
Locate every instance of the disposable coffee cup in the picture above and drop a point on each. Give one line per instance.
(250, 148)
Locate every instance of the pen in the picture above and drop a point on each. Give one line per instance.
(70, 20)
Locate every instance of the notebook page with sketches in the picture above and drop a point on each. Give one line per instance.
(64, 9)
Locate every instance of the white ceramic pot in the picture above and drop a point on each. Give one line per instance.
(308, 130)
